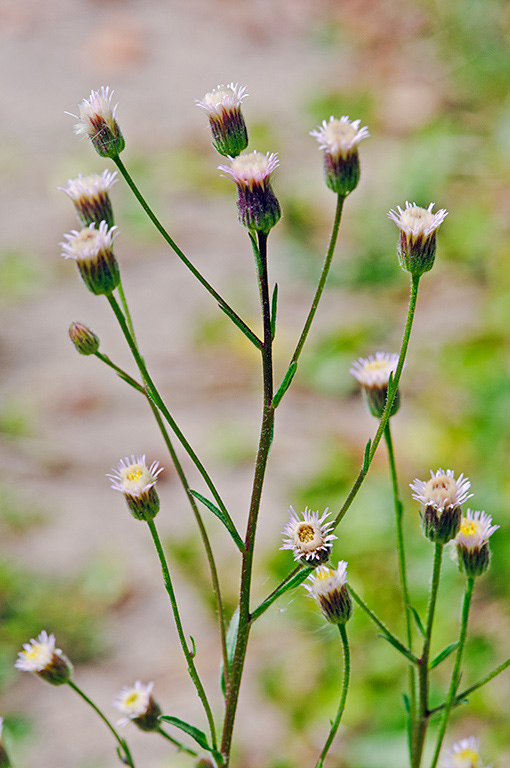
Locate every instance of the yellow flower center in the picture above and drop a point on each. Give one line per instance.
(305, 533)
(468, 757)
(324, 573)
(134, 474)
(441, 490)
(376, 365)
(469, 527)
(131, 698)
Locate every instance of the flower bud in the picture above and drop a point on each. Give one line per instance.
(373, 373)
(223, 107)
(258, 207)
(92, 249)
(85, 341)
(417, 245)
(339, 140)
(43, 659)
(97, 121)
(440, 499)
(91, 197)
(472, 542)
(137, 705)
(138, 484)
(330, 591)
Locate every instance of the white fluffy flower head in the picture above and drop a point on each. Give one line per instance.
(442, 490)
(415, 221)
(89, 186)
(133, 476)
(223, 98)
(339, 137)
(37, 654)
(89, 242)
(464, 754)
(95, 111)
(133, 701)
(375, 370)
(475, 530)
(310, 537)
(251, 169)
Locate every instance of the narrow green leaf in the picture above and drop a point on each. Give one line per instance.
(274, 303)
(231, 644)
(417, 620)
(242, 327)
(366, 456)
(285, 384)
(443, 655)
(194, 651)
(191, 730)
(399, 646)
(407, 703)
(229, 525)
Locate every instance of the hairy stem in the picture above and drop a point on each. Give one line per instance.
(343, 697)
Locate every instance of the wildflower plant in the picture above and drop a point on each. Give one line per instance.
(309, 537)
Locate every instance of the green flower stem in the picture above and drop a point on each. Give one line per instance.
(126, 756)
(402, 566)
(156, 397)
(382, 626)
(423, 713)
(125, 307)
(454, 683)
(461, 697)
(294, 579)
(203, 534)
(221, 301)
(266, 434)
(392, 390)
(322, 281)
(189, 655)
(123, 375)
(180, 747)
(343, 697)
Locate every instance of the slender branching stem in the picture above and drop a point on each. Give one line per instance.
(460, 698)
(294, 579)
(180, 746)
(124, 749)
(423, 713)
(397, 502)
(189, 655)
(343, 697)
(125, 308)
(266, 434)
(173, 245)
(455, 680)
(322, 280)
(157, 399)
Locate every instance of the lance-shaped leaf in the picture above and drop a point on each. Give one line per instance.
(227, 521)
(443, 655)
(231, 640)
(274, 303)
(287, 379)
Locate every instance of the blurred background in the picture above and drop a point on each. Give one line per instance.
(431, 80)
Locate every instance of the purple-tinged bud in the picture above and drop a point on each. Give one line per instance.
(258, 207)
(440, 500)
(330, 591)
(223, 107)
(339, 140)
(91, 197)
(92, 249)
(85, 341)
(97, 121)
(416, 248)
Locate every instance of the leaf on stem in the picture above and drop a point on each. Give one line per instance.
(366, 457)
(229, 525)
(195, 733)
(399, 646)
(231, 640)
(417, 620)
(241, 325)
(443, 655)
(274, 303)
(287, 379)
(193, 653)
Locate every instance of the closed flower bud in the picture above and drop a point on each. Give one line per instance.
(137, 705)
(97, 121)
(258, 207)
(223, 107)
(91, 197)
(330, 591)
(85, 341)
(206, 761)
(472, 542)
(339, 140)
(417, 245)
(137, 482)
(92, 249)
(373, 373)
(440, 500)
(43, 659)
(309, 538)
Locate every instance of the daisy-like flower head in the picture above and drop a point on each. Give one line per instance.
(85, 341)
(41, 657)
(92, 249)
(339, 140)
(223, 107)
(440, 499)
(257, 205)
(464, 754)
(310, 538)
(91, 197)
(4, 757)
(137, 705)
(472, 542)
(96, 120)
(137, 482)
(417, 244)
(330, 592)
(373, 373)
